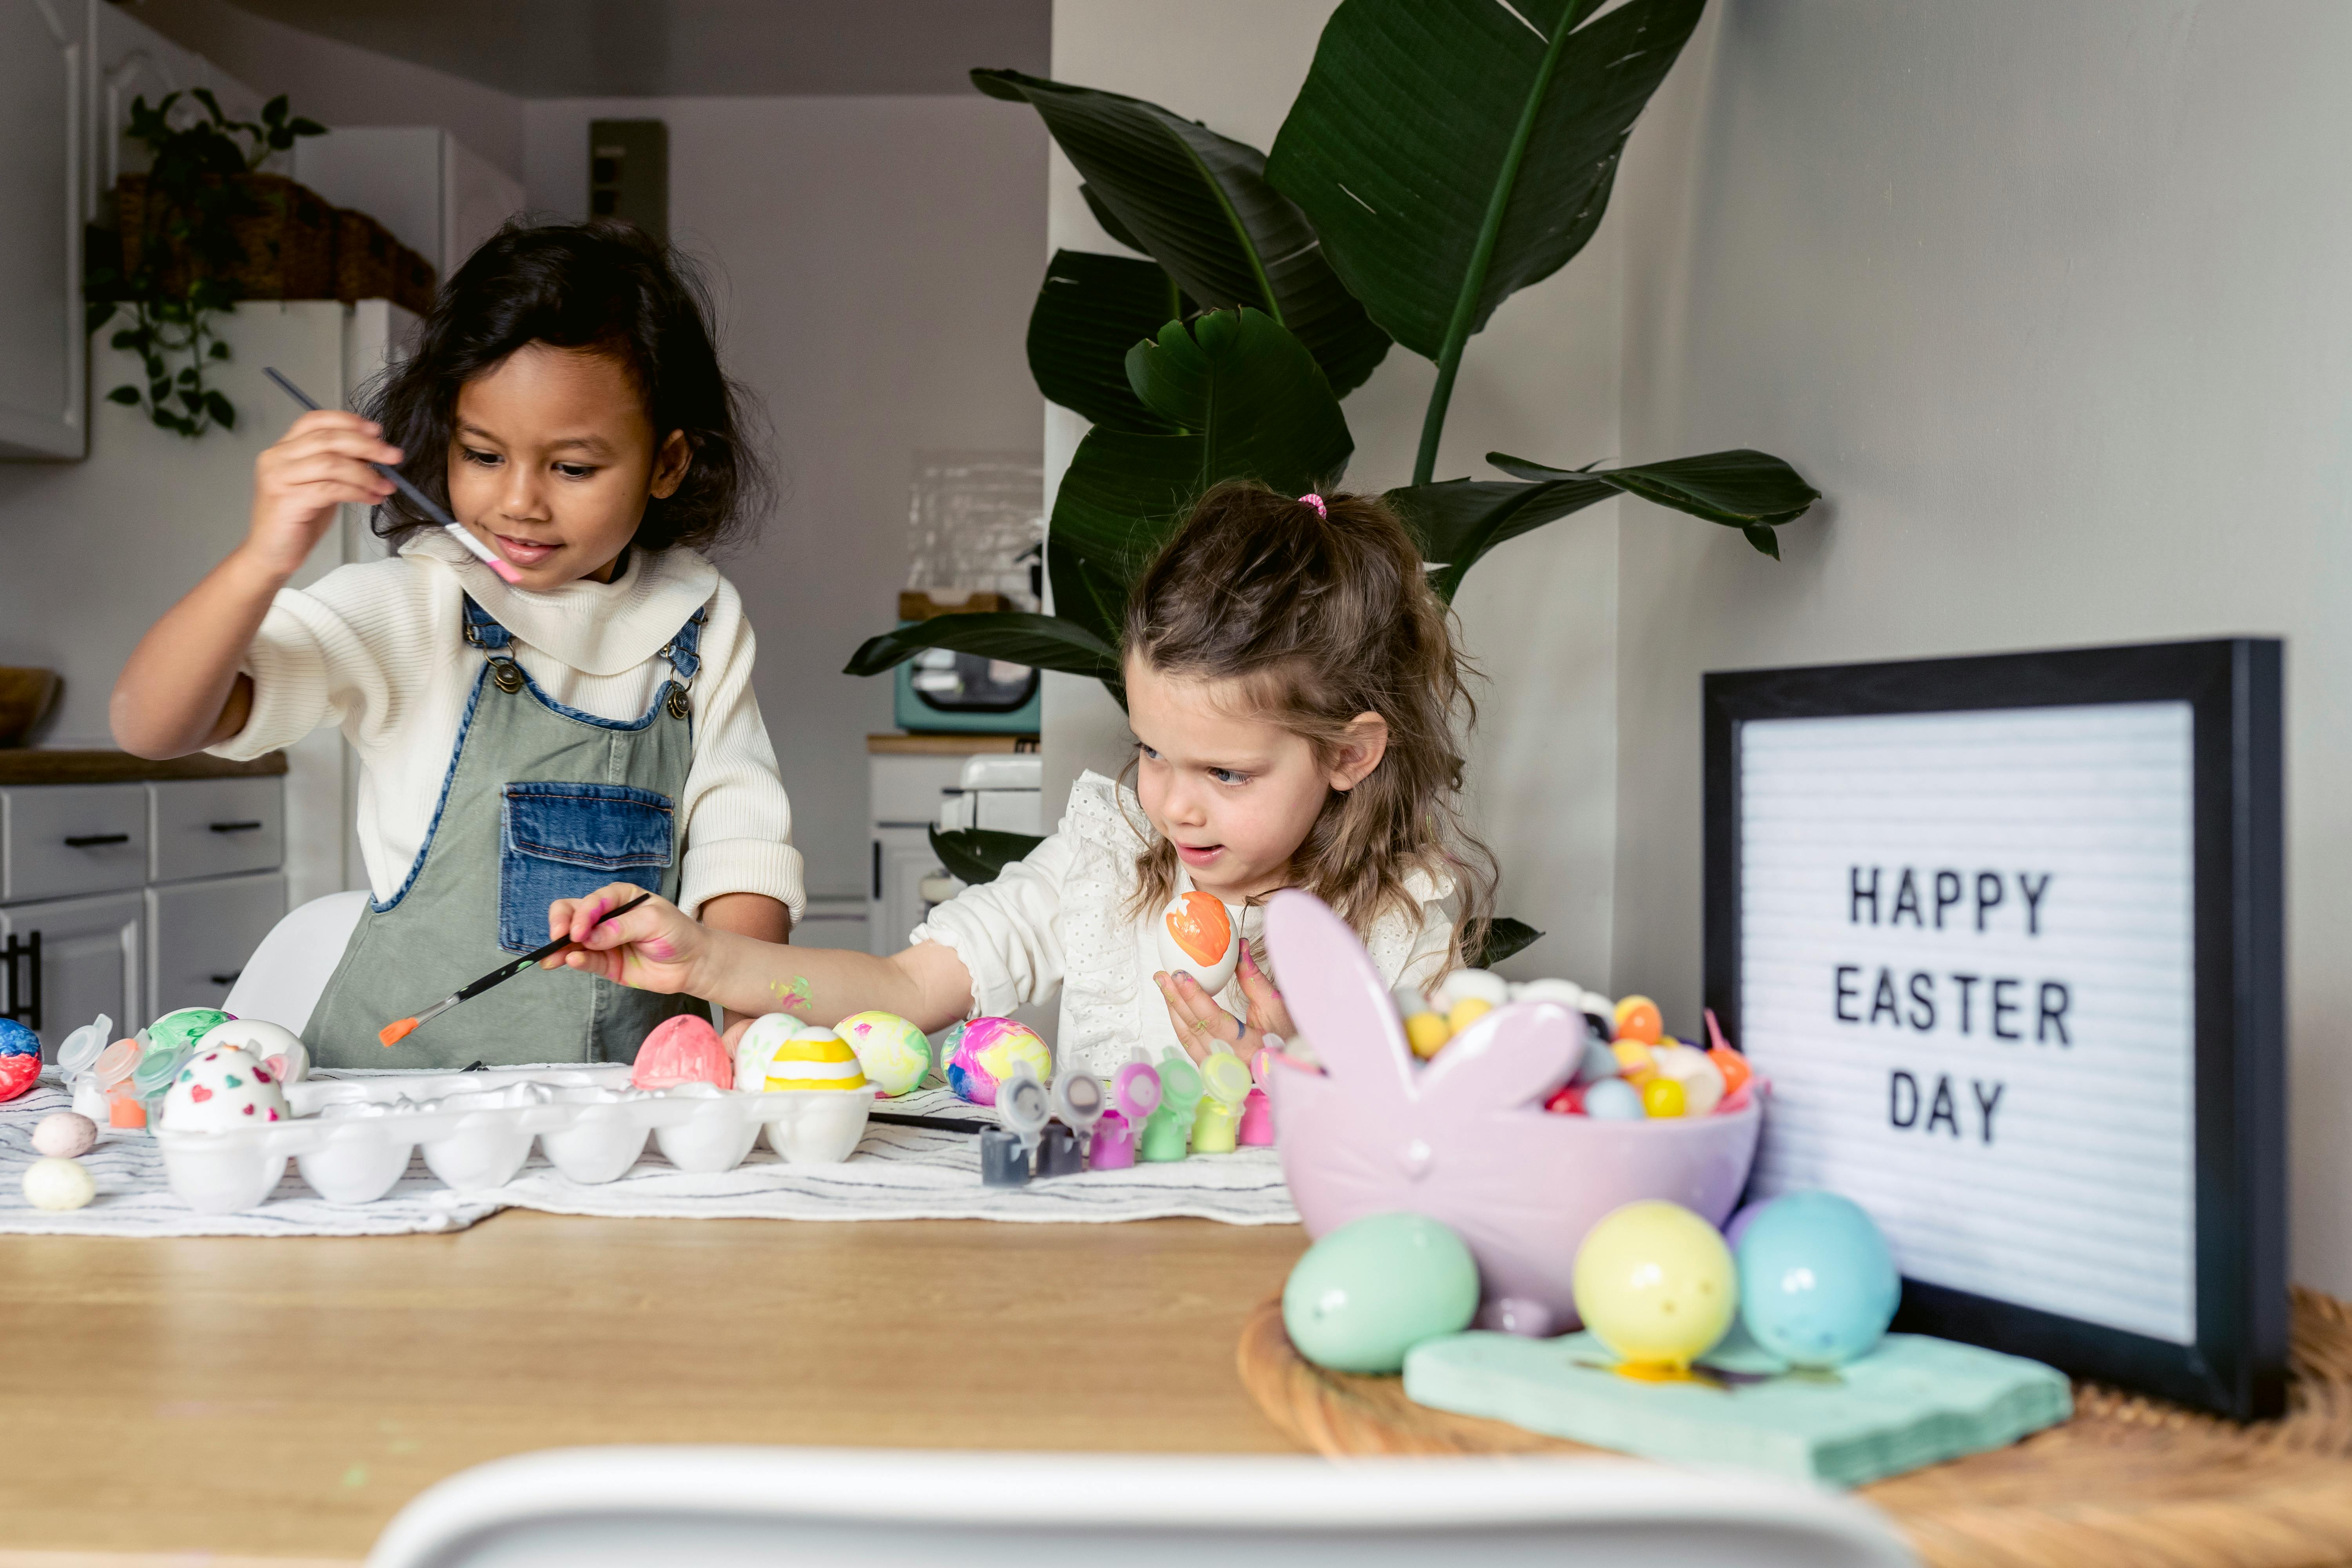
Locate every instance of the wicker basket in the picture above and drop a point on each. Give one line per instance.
(289, 244)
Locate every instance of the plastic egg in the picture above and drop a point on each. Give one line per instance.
(1467, 1012)
(64, 1135)
(815, 1058)
(980, 1055)
(1374, 1289)
(1613, 1100)
(1655, 1283)
(20, 1058)
(1465, 984)
(1567, 992)
(679, 1050)
(1662, 1096)
(222, 1088)
(1197, 937)
(274, 1046)
(1633, 1059)
(1600, 1061)
(1426, 1033)
(1818, 1285)
(1701, 1080)
(57, 1185)
(1638, 1019)
(184, 1027)
(893, 1052)
(1568, 1099)
(1734, 1068)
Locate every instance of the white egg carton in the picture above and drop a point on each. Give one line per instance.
(351, 1137)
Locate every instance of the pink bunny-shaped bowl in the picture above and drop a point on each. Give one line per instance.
(1465, 1139)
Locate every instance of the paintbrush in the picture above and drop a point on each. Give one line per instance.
(393, 1033)
(456, 530)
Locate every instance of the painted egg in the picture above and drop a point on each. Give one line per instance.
(815, 1057)
(679, 1050)
(1371, 1290)
(222, 1088)
(1654, 1283)
(276, 1046)
(892, 1051)
(20, 1058)
(57, 1185)
(1612, 1100)
(980, 1055)
(1818, 1284)
(1196, 935)
(755, 1047)
(184, 1027)
(64, 1135)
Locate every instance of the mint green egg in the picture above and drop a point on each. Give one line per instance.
(1375, 1288)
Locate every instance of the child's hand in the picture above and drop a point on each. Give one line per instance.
(653, 947)
(1202, 1026)
(320, 463)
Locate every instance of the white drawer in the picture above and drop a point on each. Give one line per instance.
(201, 934)
(214, 827)
(62, 839)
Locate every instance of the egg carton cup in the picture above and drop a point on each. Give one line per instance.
(352, 1138)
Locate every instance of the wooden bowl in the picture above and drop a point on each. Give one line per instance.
(25, 697)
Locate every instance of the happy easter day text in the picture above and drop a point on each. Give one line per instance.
(1951, 1002)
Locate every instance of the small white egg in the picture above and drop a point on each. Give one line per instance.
(62, 1134)
(1567, 992)
(1702, 1080)
(1470, 985)
(57, 1185)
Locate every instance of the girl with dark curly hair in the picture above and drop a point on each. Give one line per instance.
(590, 718)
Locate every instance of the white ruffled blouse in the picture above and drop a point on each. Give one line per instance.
(1059, 918)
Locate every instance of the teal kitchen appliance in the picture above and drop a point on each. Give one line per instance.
(965, 693)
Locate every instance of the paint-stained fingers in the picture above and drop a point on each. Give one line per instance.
(1266, 1012)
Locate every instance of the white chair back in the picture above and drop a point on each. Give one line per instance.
(283, 979)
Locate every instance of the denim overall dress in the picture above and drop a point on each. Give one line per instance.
(540, 801)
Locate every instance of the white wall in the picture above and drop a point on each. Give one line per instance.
(2049, 296)
(1540, 382)
(874, 258)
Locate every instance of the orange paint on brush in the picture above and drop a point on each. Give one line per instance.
(393, 1033)
(1201, 928)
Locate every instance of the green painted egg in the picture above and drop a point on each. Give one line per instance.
(1375, 1288)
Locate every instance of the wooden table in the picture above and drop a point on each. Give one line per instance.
(284, 1398)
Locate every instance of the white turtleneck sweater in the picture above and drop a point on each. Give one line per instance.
(379, 651)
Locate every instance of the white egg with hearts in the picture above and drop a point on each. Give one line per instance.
(221, 1089)
(1198, 937)
(276, 1046)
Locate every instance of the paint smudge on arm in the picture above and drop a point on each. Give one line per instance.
(794, 998)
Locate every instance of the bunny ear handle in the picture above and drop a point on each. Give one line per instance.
(1338, 1000)
(1507, 1057)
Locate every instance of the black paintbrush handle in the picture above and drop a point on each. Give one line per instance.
(432, 508)
(509, 970)
(936, 1123)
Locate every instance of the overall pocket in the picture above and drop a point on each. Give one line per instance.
(565, 841)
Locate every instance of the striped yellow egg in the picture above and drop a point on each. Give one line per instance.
(815, 1062)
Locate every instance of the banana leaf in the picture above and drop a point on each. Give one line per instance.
(1043, 642)
(1090, 311)
(977, 854)
(1449, 153)
(1199, 204)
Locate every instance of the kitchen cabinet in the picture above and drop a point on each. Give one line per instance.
(44, 411)
(69, 960)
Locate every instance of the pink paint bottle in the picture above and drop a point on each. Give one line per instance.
(1257, 1121)
(1114, 1145)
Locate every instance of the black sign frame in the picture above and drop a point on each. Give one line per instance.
(2236, 1367)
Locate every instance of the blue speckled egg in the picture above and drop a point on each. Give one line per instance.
(1817, 1284)
(1374, 1289)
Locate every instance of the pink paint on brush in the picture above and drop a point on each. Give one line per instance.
(494, 563)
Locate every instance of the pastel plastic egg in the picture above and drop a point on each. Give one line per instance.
(1568, 1099)
(184, 1027)
(20, 1058)
(1467, 1012)
(815, 1058)
(274, 1046)
(1734, 1068)
(57, 1185)
(894, 1053)
(1818, 1285)
(1567, 992)
(1662, 1096)
(1656, 1284)
(1638, 1019)
(679, 1050)
(1374, 1289)
(1613, 1100)
(220, 1090)
(980, 1055)
(1464, 985)
(1425, 1032)
(64, 1135)
(1701, 1080)
(1197, 937)
(1633, 1059)
(1600, 1062)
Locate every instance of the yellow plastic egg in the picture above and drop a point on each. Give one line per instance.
(1426, 1031)
(1656, 1284)
(1467, 1012)
(1634, 1061)
(1638, 1019)
(1663, 1096)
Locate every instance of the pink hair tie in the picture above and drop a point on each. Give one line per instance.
(1311, 499)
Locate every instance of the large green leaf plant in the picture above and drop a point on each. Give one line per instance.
(1441, 155)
